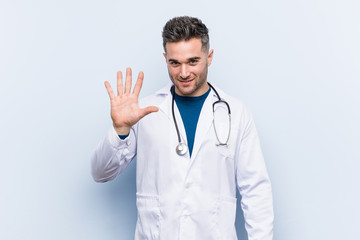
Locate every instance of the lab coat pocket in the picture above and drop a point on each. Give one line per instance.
(227, 213)
(148, 222)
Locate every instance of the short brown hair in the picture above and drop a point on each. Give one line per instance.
(185, 28)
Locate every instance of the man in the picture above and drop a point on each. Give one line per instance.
(189, 160)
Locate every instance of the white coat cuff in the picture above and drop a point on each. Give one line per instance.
(116, 141)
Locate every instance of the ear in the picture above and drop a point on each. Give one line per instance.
(210, 56)
(165, 57)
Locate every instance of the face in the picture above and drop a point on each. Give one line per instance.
(188, 64)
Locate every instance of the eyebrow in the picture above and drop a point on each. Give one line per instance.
(193, 59)
(189, 59)
(173, 60)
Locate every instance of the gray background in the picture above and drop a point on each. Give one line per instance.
(295, 64)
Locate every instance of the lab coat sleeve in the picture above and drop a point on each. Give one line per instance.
(112, 155)
(254, 185)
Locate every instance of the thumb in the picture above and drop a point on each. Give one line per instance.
(147, 110)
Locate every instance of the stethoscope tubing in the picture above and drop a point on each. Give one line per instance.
(181, 148)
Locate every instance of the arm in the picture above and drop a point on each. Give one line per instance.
(254, 185)
(113, 154)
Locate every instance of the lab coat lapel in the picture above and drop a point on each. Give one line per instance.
(180, 124)
(204, 123)
(166, 107)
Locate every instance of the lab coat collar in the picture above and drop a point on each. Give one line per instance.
(166, 90)
(165, 106)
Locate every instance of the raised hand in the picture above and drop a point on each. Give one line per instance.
(125, 111)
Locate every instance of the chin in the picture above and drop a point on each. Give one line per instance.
(186, 90)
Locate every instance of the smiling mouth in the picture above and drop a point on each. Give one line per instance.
(189, 80)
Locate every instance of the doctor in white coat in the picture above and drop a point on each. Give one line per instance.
(187, 194)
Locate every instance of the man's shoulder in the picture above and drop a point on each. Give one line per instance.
(237, 106)
(156, 98)
(232, 100)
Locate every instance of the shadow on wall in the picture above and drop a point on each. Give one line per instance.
(240, 222)
(121, 200)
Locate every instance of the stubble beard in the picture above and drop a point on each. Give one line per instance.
(198, 84)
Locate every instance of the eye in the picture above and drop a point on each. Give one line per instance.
(174, 64)
(193, 62)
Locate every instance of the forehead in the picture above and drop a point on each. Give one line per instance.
(184, 49)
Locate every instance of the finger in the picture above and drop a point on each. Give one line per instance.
(109, 90)
(148, 110)
(128, 81)
(138, 84)
(119, 83)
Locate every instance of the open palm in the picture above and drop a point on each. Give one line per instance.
(125, 111)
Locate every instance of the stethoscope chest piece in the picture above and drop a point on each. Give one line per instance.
(181, 149)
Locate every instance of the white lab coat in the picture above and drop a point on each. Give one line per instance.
(179, 197)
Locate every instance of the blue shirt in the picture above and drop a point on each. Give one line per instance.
(190, 108)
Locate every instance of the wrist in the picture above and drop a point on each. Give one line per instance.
(122, 130)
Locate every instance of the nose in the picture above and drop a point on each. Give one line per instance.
(184, 72)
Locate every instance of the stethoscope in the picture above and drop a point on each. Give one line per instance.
(182, 148)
